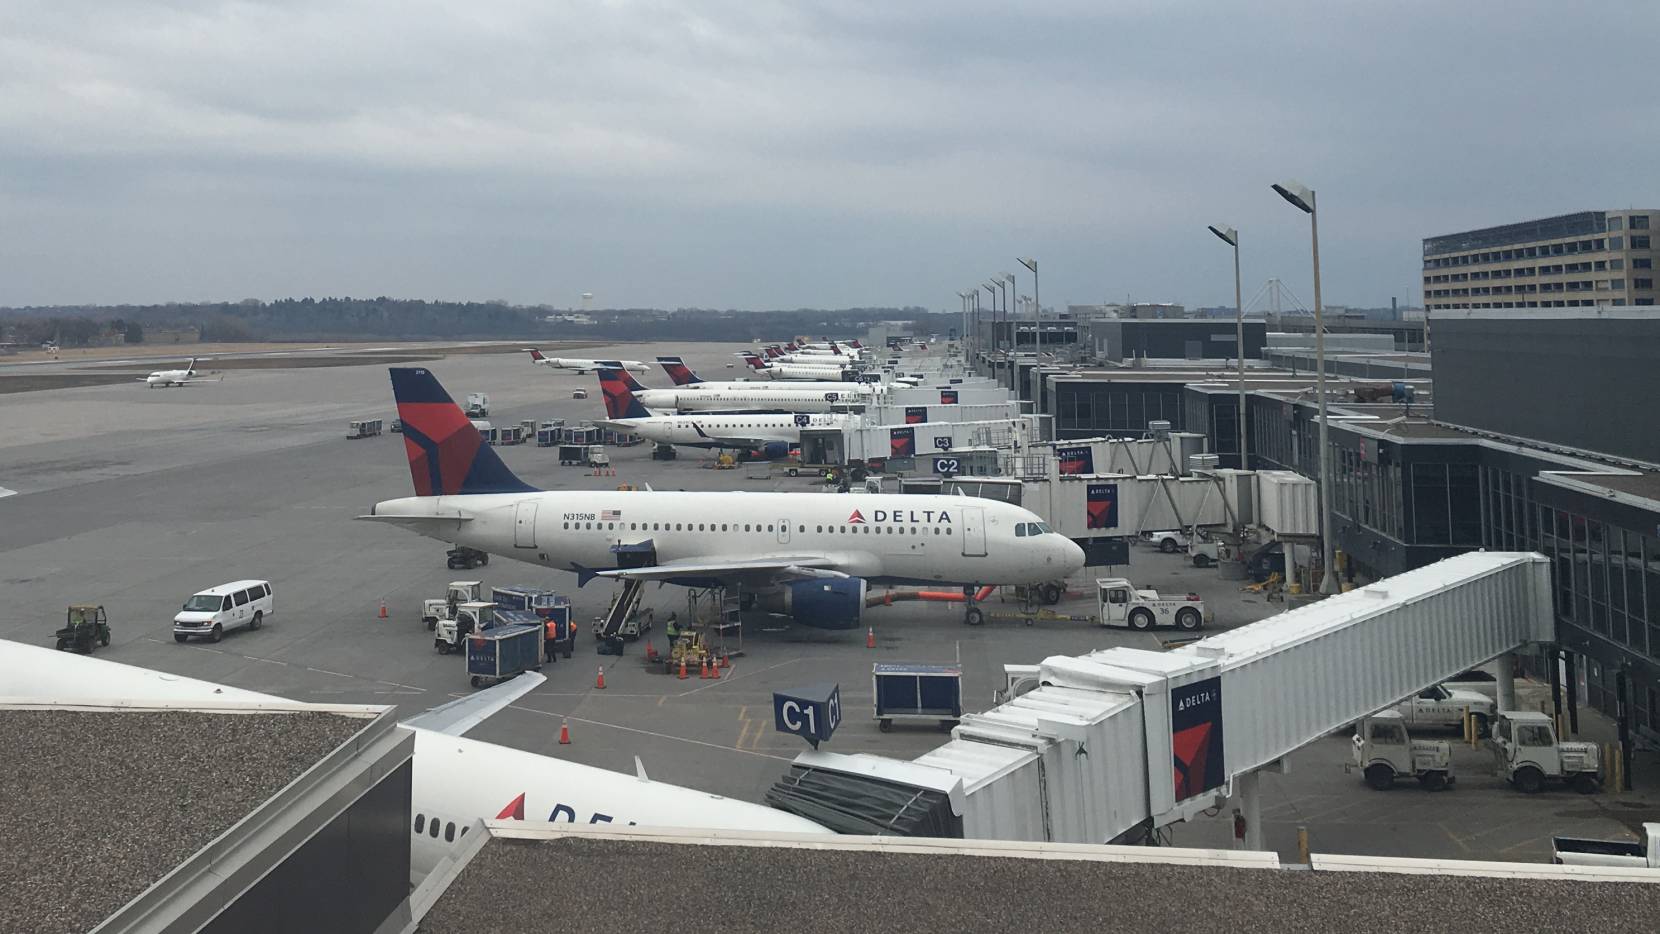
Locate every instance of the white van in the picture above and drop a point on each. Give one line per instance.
(228, 606)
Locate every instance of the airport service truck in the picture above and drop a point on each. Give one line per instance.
(1383, 751)
(1530, 754)
(478, 405)
(1443, 707)
(1121, 603)
(459, 592)
(1578, 851)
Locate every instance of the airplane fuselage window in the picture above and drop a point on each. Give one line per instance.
(449, 832)
(420, 822)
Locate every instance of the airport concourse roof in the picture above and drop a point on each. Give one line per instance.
(1645, 484)
(622, 885)
(99, 805)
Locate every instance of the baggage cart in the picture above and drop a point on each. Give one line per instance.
(917, 692)
(494, 655)
(547, 437)
(573, 455)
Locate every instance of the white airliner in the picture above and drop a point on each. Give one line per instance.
(682, 375)
(801, 371)
(165, 378)
(730, 397)
(455, 780)
(770, 434)
(583, 366)
(811, 554)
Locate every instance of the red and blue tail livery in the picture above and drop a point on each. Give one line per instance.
(678, 371)
(447, 456)
(614, 385)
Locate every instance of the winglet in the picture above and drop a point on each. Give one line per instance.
(458, 716)
(640, 769)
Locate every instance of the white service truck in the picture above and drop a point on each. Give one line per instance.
(1383, 751)
(470, 617)
(478, 405)
(1578, 851)
(1530, 754)
(459, 592)
(1443, 708)
(1121, 603)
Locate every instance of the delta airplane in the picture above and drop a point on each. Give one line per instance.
(682, 375)
(455, 780)
(733, 397)
(583, 366)
(165, 378)
(810, 555)
(802, 371)
(769, 435)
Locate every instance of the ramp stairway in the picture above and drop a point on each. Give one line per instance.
(623, 606)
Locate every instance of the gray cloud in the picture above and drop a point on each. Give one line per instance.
(777, 154)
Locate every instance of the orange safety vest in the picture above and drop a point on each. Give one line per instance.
(553, 629)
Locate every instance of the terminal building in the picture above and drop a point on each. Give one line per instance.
(1571, 261)
(1535, 434)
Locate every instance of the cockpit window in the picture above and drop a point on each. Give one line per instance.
(1043, 529)
(1020, 530)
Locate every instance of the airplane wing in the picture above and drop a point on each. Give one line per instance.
(417, 521)
(730, 440)
(784, 568)
(459, 716)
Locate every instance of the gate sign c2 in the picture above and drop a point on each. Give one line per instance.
(812, 713)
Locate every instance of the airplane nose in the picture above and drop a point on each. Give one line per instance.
(1073, 555)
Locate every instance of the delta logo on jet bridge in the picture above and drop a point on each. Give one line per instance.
(1196, 737)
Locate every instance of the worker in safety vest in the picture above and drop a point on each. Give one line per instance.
(671, 628)
(550, 640)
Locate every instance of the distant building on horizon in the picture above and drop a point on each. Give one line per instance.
(1569, 261)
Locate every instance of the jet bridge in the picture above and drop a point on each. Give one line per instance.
(1102, 747)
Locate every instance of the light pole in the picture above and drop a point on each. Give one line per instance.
(1302, 197)
(1230, 236)
(1008, 285)
(964, 297)
(1037, 307)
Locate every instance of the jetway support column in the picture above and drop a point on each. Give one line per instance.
(1506, 675)
(1249, 787)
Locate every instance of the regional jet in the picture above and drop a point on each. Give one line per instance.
(810, 555)
(583, 366)
(165, 378)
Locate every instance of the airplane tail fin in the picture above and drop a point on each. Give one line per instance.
(620, 401)
(856, 345)
(447, 455)
(679, 371)
(772, 352)
(754, 361)
(536, 355)
(627, 378)
(191, 366)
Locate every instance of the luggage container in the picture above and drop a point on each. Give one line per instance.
(917, 692)
(573, 455)
(363, 428)
(494, 655)
(547, 437)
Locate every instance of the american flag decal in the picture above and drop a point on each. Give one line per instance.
(610, 515)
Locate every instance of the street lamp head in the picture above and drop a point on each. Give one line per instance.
(1028, 262)
(1229, 235)
(1008, 277)
(1298, 194)
(964, 294)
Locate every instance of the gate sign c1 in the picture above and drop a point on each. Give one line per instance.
(812, 713)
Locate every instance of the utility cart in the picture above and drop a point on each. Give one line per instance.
(494, 655)
(573, 455)
(917, 692)
(84, 624)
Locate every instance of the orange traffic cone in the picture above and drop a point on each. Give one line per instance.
(682, 667)
(724, 663)
(564, 732)
(703, 672)
(870, 637)
(651, 652)
(383, 609)
(599, 682)
(714, 670)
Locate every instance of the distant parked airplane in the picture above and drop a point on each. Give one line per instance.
(165, 378)
(582, 366)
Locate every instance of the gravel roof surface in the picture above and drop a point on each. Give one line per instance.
(644, 886)
(97, 806)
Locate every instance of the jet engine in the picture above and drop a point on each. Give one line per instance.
(828, 603)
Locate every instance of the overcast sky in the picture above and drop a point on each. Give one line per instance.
(751, 154)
